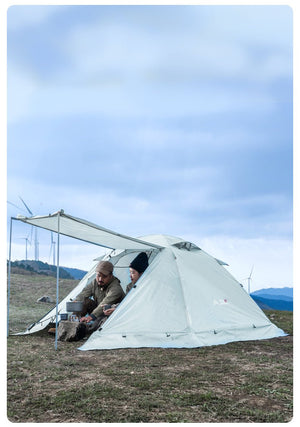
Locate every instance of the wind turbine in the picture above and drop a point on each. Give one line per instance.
(249, 279)
(16, 206)
(36, 243)
(52, 247)
(26, 242)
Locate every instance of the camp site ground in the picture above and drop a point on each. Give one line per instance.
(249, 381)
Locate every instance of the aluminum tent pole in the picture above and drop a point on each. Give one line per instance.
(9, 271)
(57, 280)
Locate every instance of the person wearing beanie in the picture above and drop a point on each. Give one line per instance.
(140, 262)
(136, 269)
(105, 289)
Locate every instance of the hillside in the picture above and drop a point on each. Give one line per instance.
(40, 267)
(274, 298)
(275, 292)
(75, 272)
(273, 304)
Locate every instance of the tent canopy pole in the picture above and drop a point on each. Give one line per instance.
(57, 281)
(9, 274)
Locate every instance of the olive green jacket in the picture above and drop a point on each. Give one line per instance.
(112, 294)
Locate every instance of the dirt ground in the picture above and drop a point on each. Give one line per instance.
(249, 381)
(238, 382)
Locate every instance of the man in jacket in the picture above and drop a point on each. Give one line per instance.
(105, 289)
(136, 269)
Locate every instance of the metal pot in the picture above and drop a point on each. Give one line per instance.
(74, 306)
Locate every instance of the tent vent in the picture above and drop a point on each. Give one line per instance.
(186, 245)
(219, 261)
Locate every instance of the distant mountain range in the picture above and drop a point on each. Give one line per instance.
(75, 272)
(274, 298)
(40, 267)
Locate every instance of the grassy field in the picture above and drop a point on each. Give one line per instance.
(238, 382)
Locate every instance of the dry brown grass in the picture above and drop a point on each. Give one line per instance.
(238, 382)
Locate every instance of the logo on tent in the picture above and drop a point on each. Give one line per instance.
(220, 301)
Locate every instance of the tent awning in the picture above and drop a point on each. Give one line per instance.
(80, 229)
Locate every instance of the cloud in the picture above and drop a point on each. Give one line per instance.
(174, 120)
(132, 101)
(119, 68)
(250, 24)
(25, 17)
(21, 87)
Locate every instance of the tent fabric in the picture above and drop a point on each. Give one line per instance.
(185, 298)
(83, 230)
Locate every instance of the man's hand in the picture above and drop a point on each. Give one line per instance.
(87, 319)
(109, 311)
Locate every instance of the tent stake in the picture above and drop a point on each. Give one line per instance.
(57, 280)
(9, 270)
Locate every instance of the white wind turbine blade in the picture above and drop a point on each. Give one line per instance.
(16, 206)
(249, 279)
(36, 243)
(26, 206)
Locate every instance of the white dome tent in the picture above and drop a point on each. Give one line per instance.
(184, 299)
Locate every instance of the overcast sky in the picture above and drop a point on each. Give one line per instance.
(156, 120)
